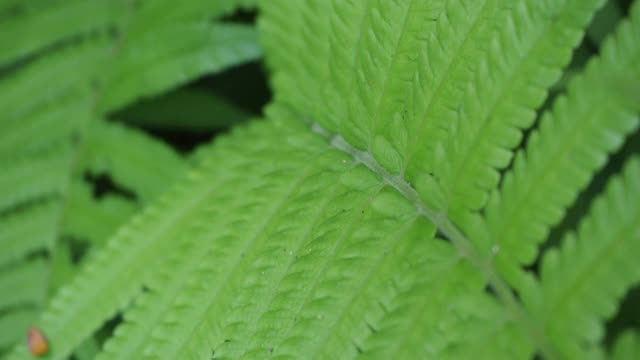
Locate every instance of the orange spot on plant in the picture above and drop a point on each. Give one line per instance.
(36, 342)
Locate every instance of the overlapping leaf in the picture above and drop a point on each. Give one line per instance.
(572, 142)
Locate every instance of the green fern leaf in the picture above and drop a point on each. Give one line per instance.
(571, 143)
(57, 114)
(332, 253)
(347, 224)
(582, 282)
(531, 43)
(443, 120)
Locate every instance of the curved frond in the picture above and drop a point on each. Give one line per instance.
(582, 282)
(130, 256)
(572, 142)
(52, 97)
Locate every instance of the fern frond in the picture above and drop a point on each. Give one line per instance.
(310, 228)
(582, 281)
(148, 308)
(438, 115)
(335, 50)
(81, 62)
(627, 346)
(122, 264)
(298, 270)
(93, 219)
(414, 319)
(497, 93)
(316, 233)
(26, 230)
(189, 50)
(33, 30)
(130, 256)
(132, 158)
(572, 142)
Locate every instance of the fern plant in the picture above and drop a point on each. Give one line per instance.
(400, 198)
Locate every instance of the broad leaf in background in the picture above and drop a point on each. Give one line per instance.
(55, 97)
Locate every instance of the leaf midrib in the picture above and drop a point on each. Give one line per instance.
(464, 246)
